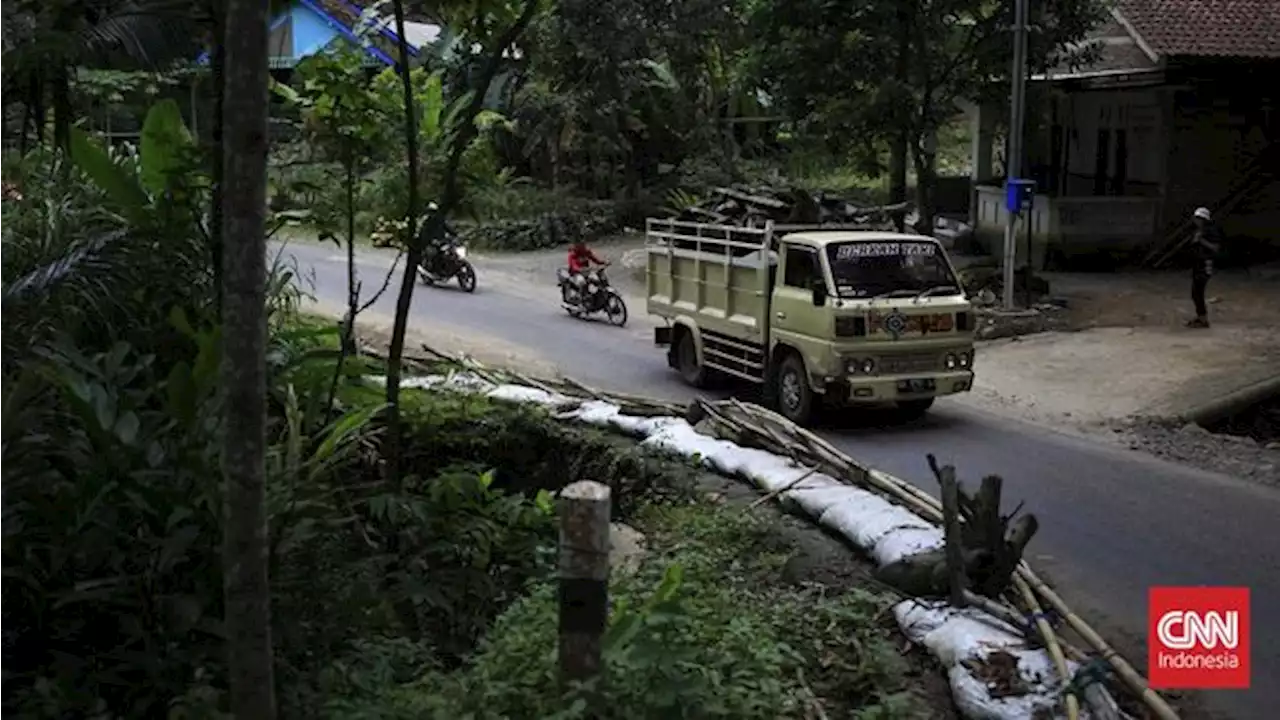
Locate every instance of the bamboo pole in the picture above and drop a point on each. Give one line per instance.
(1132, 678)
(1050, 644)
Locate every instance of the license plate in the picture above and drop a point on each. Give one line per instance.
(916, 385)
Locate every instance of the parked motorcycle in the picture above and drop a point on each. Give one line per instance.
(596, 296)
(449, 261)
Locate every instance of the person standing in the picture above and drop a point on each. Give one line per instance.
(1205, 245)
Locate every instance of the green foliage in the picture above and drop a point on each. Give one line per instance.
(348, 116)
(104, 241)
(125, 621)
(706, 629)
(872, 86)
(469, 550)
(550, 230)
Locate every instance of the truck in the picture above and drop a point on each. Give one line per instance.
(817, 316)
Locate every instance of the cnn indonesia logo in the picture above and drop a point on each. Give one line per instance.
(1198, 637)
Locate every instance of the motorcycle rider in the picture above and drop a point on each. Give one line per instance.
(433, 246)
(580, 261)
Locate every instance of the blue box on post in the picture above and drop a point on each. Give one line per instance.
(1018, 193)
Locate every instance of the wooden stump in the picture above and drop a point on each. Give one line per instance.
(989, 547)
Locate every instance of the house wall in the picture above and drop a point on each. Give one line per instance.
(1217, 137)
(1114, 143)
(1099, 200)
(280, 39)
(311, 32)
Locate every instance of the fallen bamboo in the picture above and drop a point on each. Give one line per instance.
(775, 493)
(1050, 644)
(1136, 683)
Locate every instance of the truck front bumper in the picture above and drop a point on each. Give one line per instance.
(893, 388)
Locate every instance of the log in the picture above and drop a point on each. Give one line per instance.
(584, 578)
(951, 527)
(988, 551)
(749, 199)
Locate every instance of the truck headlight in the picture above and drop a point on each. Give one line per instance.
(965, 359)
(865, 366)
(952, 361)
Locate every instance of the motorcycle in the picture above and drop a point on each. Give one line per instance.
(595, 296)
(447, 262)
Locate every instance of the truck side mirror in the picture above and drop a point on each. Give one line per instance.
(819, 292)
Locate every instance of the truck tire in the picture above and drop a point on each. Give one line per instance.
(794, 397)
(912, 409)
(687, 361)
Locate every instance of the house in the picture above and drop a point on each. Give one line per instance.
(1180, 110)
(306, 27)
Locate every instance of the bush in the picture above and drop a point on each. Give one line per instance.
(548, 231)
(521, 217)
(719, 637)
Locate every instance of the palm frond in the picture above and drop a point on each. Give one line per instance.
(148, 40)
(45, 279)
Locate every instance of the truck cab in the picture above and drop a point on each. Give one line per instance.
(843, 317)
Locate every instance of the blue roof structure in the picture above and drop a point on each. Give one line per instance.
(309, 26)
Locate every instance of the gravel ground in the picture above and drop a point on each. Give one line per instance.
(1234, 455)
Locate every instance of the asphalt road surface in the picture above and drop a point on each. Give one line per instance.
(1112, 522)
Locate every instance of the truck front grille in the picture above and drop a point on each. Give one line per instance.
(851, 326)
(910, 363)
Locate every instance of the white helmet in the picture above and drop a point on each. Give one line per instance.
(1203, 213)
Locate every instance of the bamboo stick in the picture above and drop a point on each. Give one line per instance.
(1050, 644)
(775, 493)
(1131, 677)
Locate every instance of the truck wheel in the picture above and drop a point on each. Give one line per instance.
(913, 409)
(687, 361)
(794, 396)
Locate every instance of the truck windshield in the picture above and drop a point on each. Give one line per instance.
(890, 269)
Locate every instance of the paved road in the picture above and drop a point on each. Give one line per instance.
(1113, 522)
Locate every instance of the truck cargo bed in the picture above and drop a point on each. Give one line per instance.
(719, 275)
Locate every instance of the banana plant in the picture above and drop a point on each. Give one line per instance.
(142, 189)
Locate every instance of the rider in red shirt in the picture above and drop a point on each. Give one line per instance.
(581, 257)
(580, 260)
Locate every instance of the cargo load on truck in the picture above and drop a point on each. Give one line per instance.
(845, 317)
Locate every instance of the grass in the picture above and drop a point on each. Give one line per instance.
(708, 627)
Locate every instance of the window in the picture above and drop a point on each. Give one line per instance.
(1101, 161)
(890, 268)
(801, 267)
(1121, 176)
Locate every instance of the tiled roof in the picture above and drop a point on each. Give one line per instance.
(1206, 28)
(1115, 50)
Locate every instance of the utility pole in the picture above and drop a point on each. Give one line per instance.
(1013, 161)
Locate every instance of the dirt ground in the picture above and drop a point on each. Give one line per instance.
(375, 330)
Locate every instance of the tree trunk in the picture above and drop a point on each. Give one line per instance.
(60, 100)
(215, 202)
(353, 288)
(900, 142)
(245, 544)
(925, 156)
(414, 258)
(449, 198)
